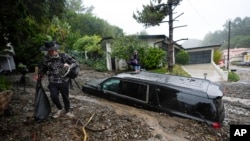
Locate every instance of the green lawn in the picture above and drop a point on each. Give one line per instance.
(177, 70)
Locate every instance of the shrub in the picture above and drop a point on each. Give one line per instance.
(4, 83)
(100, 65)
(233, 77)
(182, 57)
(96, 64)
(217, 56)
(153, 58)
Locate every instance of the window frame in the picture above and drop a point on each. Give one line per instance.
(142, 94)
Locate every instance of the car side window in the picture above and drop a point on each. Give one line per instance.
(135, 90)
(112, 85)
(167, 97)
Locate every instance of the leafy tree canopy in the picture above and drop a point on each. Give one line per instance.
(87, 24)
(78, 7)
(154, 13)
(89, 44)
(124, 47)
(24, 22)
(27, 24)
(239, 34)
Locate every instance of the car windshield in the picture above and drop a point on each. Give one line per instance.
(111, 85)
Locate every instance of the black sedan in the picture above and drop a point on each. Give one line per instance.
(188, 97)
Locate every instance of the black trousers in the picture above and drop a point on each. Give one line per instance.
(63, 88)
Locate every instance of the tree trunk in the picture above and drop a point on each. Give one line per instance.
(171, 45)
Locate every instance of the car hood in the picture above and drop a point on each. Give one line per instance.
(95, 82)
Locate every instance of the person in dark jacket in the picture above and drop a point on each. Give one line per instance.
(54, 64)
(135, 61)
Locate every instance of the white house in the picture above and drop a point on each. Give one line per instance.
(159, 41)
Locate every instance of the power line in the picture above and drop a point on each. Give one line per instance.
(198, 13)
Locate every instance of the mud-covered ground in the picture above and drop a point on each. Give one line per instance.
(98, 119)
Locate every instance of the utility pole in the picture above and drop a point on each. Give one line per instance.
(228, 46)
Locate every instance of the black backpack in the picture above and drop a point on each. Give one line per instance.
(71, 72)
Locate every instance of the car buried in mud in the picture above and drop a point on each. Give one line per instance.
(188, 97)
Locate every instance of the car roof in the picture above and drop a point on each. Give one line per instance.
(179, 81)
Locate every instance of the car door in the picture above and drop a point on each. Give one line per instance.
(135, 90)
(180, 102)
(131, 90)
(167, 97)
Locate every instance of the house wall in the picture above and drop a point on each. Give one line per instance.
(159, 42)
(234, 54)
(121, 64)
(247, 56)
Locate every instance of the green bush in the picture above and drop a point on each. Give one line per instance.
(233, 77)
(153, 58)
(96, 64)
(100, 65)
(182, 57)
(4, 83)
(217, 56)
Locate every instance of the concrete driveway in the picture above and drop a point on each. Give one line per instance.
(198, 70)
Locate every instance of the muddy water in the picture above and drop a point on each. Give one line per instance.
(150, 117)
(237, 110)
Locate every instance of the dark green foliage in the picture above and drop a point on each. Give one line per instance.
(150, 58)
(4, 83)
(87, 24)
(182, 57)
(150, 16)
(90, 44)
(100, 65)
(153, 58)
(154, 13)
(28, 23)
(24, 23)
(14, 15)
(123, 47)
(234, 77)
(70, 40)
(96, 64)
